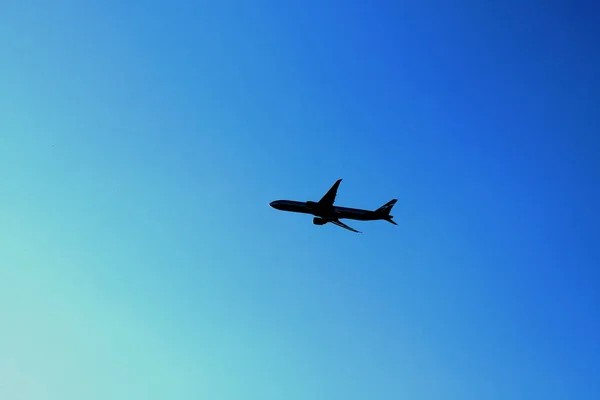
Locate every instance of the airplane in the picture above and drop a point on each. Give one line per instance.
(324, 210)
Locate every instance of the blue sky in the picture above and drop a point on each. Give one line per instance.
(140, 145)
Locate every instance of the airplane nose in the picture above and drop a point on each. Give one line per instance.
(274, 204)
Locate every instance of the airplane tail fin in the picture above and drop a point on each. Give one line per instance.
(386, 208)
(385, 211)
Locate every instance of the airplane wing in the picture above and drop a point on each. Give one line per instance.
(343, 225)
(329, 197)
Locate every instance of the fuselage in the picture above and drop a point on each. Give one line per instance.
(313, 208)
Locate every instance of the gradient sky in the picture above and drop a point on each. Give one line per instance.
(140, 146)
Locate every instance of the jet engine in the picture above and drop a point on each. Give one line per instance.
(319, 221)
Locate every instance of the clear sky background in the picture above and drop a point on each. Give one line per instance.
(140, 146)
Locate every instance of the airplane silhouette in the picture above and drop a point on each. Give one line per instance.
(324, 210)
